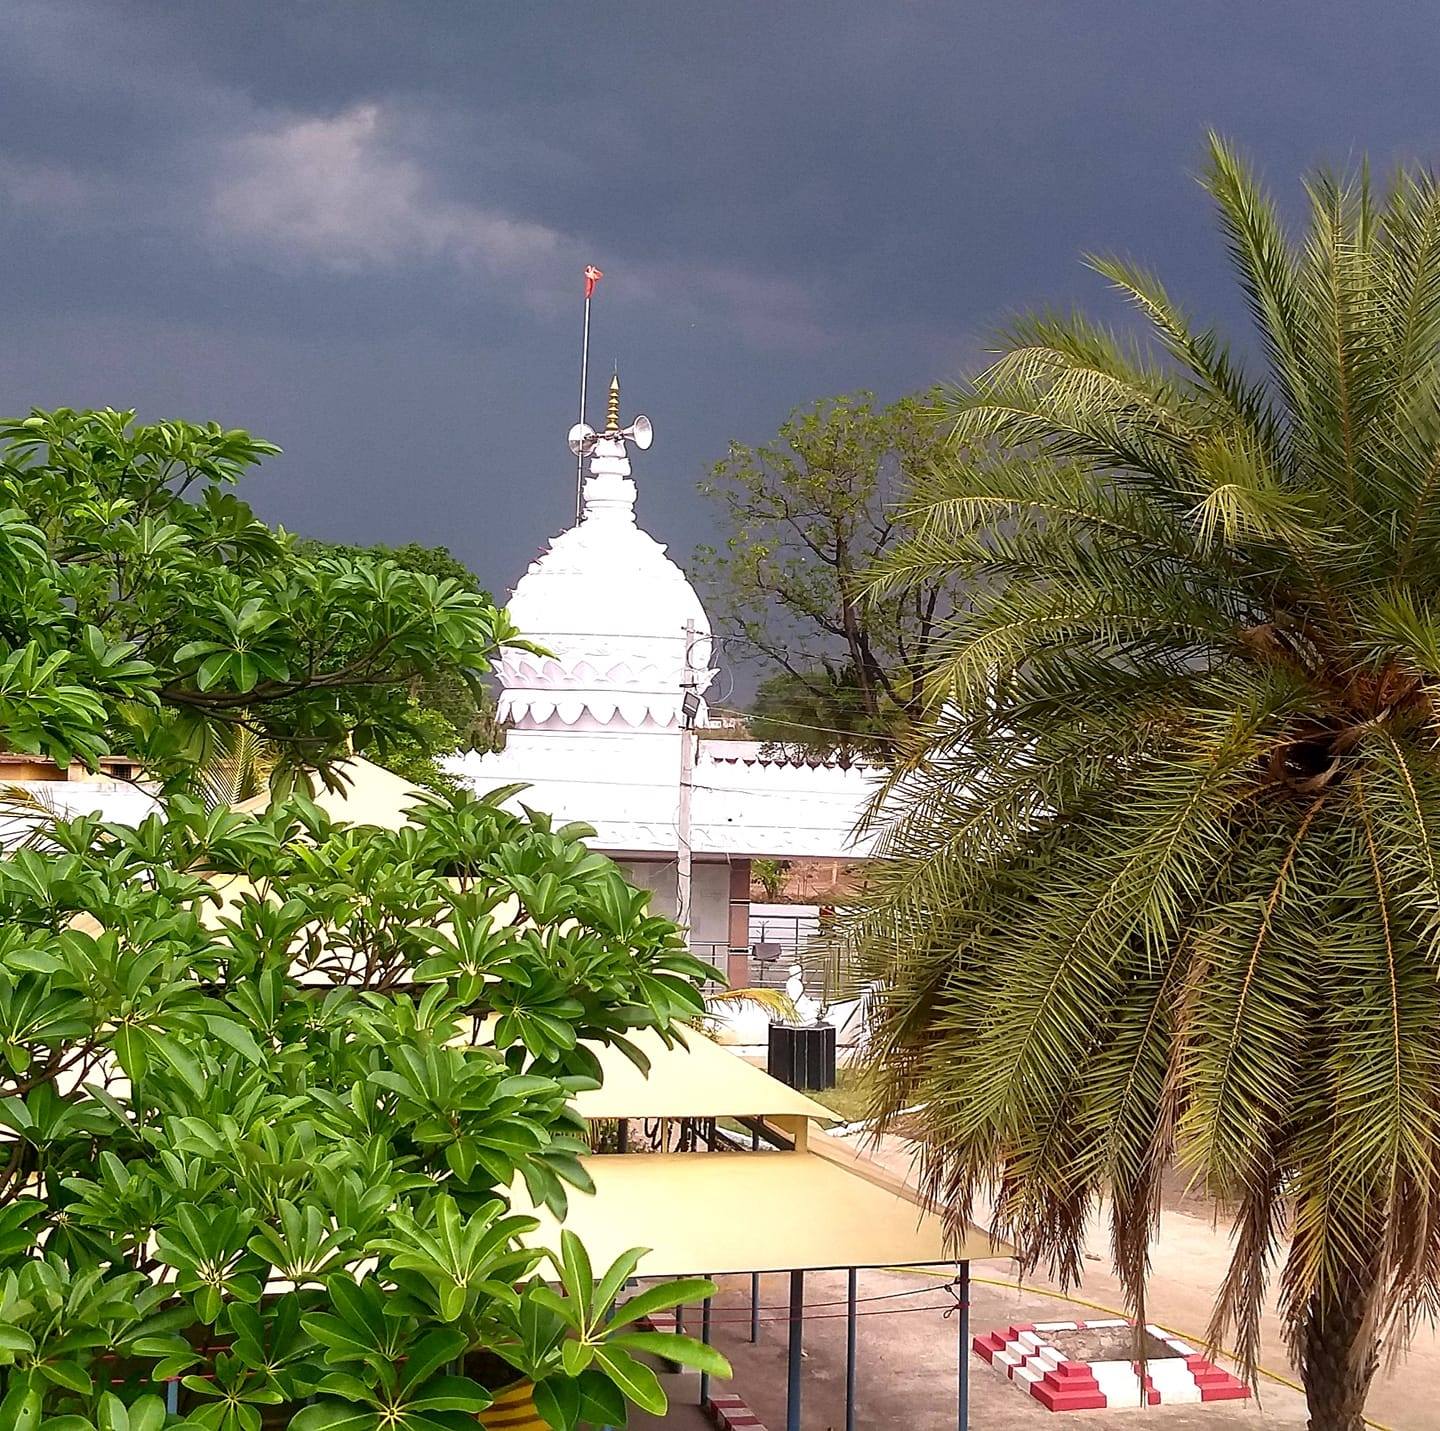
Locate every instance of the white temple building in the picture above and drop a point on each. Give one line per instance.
(601, 729)
(597, 727)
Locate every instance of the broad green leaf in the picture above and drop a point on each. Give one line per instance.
(335, 1416)
(686, 1351)
(661, 1298)
(557, 1399)
(451, 1393)
(634, 1378)
(576, 1356)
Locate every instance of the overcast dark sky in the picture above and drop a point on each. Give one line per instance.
(357, 228)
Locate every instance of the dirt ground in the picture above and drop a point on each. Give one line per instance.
(907, 1345)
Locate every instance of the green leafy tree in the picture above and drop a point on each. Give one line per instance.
(771, 875)
(807, 516)
(1162, 882)
(451, 710)
(266, 1082)
(821, 712)
(145, 611)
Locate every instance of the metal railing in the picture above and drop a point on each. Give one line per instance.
(822, 962)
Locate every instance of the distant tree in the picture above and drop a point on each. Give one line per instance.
(823, 712)
(808, 515)
(450, 710)
(771, 875)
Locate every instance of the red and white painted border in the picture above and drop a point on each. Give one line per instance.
(726, 1410)
(1025, 1355)
(729, 1412)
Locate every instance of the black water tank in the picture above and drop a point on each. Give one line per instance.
(803, 1057)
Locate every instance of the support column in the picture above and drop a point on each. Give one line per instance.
(738, 961)
(705, 1337)
(962, 1375)
(794, 1368)
(850, 1300)
(689, 705)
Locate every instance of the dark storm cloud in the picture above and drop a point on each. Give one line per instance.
(357, 227)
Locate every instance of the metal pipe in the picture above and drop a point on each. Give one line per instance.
(584, 373)
(705, 1337)
(683, 851)
(962, 1378)
(793, 1368)
(850, 1299)
(754, 1276)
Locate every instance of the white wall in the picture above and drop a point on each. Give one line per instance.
(709, 894)
(626, 784)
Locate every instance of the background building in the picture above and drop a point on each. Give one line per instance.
(603, 719)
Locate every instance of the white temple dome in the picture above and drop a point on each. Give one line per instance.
(611, 610)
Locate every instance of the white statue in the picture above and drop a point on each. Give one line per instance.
(807, 1010)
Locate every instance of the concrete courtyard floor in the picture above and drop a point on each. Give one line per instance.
(907, 1346)
(905, 1364)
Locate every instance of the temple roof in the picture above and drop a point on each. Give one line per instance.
(610, 609)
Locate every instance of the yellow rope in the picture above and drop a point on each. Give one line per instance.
(1111, 1311)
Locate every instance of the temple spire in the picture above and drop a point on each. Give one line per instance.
(608, 487)
(612, 411)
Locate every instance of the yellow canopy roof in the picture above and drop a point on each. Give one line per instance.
(704, 1213)
(372, 796)
(698, 1080)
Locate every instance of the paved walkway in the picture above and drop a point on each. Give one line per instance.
(1189, 1258)
(906, 1363)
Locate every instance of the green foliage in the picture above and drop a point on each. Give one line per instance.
(240, 1054)
(808, 515)
(822, 711)
(449, 712)
(145, 611)
(771, 875)
(266, 1083)
(1164, 868)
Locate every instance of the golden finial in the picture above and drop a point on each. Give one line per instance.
(612, 413)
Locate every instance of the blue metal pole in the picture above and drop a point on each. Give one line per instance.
(793, 1367)
(754, 1276)
(850, 1350)
(962, 1421)
(705, 1337)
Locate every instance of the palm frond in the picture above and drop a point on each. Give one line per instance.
(1158, 878)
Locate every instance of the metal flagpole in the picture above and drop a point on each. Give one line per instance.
(592, 277)
(755, 1276)
(705, 1337)
(584, 367)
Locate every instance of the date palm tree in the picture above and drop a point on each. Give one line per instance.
(1163, 875)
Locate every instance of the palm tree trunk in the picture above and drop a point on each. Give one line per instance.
(1338, 1357)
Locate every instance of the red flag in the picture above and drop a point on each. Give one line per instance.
(592, 277)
